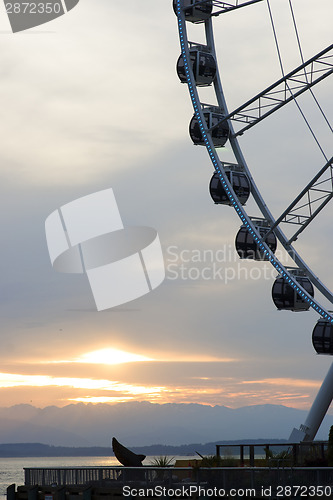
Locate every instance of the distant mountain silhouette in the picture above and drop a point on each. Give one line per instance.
(138, 424)
(45, 450)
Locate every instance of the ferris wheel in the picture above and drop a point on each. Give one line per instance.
(212, 125)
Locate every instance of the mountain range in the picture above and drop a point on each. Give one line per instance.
(138, 424)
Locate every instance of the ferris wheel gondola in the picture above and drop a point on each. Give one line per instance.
(240, 184)
(322, 337)
(203, 66)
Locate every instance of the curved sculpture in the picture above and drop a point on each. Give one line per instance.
(125, 456)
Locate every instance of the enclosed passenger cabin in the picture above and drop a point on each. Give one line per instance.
(219, 132)
(203, 66)
(195, 14)
(248, 248)
(322, 337)
(285, 296)
(239, 182)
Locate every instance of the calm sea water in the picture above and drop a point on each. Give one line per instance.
(11, 469)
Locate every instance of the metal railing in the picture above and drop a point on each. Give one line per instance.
(295, 454)
(226, 478)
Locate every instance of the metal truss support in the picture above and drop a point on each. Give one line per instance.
(223, 6)
(299, 261)
(312, 200)
(283, 91)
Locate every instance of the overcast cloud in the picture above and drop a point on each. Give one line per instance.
(92, 101)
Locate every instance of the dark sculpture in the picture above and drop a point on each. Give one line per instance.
(125, 456)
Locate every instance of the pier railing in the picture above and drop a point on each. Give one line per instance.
(226, 478)
(72, 476)
(296, 454)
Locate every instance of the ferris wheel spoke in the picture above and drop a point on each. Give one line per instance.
(286, 89)
(310, 202)
(210, 8)
(302, 59)
(296, 257)
(228, 7)
(294, 254)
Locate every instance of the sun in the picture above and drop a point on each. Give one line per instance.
(109, 356)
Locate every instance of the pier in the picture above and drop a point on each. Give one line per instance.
(107, 483)
(245, 470)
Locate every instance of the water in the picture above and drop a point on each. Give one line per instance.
(11, 469)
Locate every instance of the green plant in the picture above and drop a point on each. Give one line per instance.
(283, 457)
(162, 461)
(215, 461)
(330, 448)
(313, 457)
(211, 461)
(268, 453)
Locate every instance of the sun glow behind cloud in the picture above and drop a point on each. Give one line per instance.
(227, 391)
(287, 382)
(110, 356)
(155, 379)
(8, 380)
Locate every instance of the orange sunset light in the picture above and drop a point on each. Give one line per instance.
(109, 356)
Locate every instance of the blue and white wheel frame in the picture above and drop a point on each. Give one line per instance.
(307, 431)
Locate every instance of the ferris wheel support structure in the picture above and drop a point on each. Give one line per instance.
(321, 404)
(325, 395)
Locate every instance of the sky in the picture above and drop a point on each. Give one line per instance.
(90, 101)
